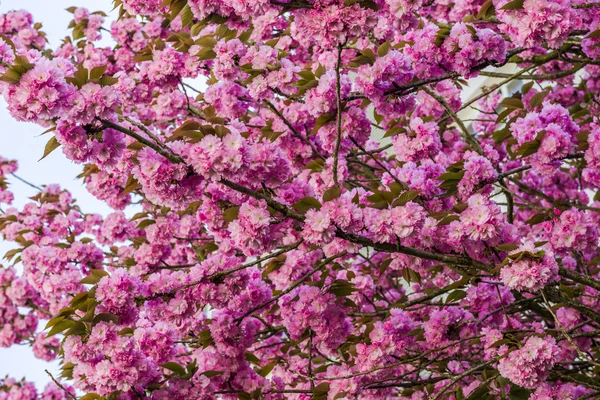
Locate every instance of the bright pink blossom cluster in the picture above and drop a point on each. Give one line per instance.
(311, 199)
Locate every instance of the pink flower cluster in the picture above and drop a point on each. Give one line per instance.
(529, 365)
(537, 21)
(309, 307)
(331, 24)
(421, 142)
(478, 171)
(574, 230)
(7, 167)
(43, 92)
(92, 22)
(555, 133)
(108, 354)
(298, 209)
(468, 47)
(591, 173)
(11, 389)
(15, 292)
(402, 222)
(529, 273)
(21, 28)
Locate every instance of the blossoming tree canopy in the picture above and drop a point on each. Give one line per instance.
(276, 249)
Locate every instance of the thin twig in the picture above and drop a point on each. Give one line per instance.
(160, 150)
(28, 183)
(61, 386)
(566, 335)
(465, 132)
(459, 377)
(292, 286)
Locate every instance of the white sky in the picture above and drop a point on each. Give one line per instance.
(21, 141)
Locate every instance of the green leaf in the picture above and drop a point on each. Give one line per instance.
(537, 218)
(582, 140)
(78, 328)
(513, 5)
(320, 71)
(480, 393)
(500, 342)
(131, 185)
(231, 214)
(460, 207)
(527, 87)
(251, 358)
(61, 326)
(537, 99)
(175, 367)
(501, 135)
(594, 34)
(383, 49)
(146, 223)
(342, 288)
(108, 80)
(507, 247)
(11, 253)
(79, 299)
(50, 147)
(322, 388)
(94, 276)
(266, 370)
(81, 76)
(187, 16)
(504, 114)
(512, 102)
(405, 197)
(485, 8)
(97, 72)
(127, 331)
(396, 130)
(53, 322)
(456, 296)
(139, 215)
(322, 120)
(518, 393)
(332, 193)
(528, 148)
(211, 373)
(104, 317)
(447, 220)
(11, 76)
(452, 176)
(378, 117)
(416, 332)
(410, 275)
(176, 7)
(440, 36)
(307, 203)
(78, 31)
(206, 54)
(369, 54)
(91, 396)
(360, 60)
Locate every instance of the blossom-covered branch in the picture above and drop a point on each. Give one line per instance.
(265, 240)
